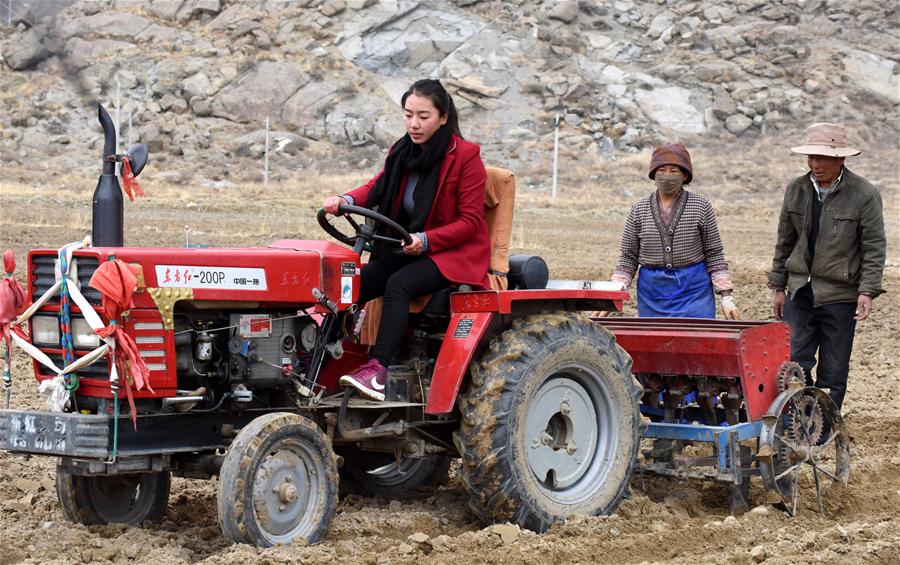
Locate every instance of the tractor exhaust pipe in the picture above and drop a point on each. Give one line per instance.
(107, 228)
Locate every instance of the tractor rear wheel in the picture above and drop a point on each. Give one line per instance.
(550, 423)
(379, 474)
(278, 483)
(119, 499)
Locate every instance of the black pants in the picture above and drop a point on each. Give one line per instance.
(828, 329)
(399, 280)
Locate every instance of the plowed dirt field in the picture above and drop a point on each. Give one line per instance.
(663, 521)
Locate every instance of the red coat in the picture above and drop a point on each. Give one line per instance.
(458, 241)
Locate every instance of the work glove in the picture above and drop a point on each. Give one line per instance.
(621, 279)
(729, 308)
(604, 313)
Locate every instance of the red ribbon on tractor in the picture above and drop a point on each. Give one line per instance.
(130, 183)
(12, 301)
(117, 281)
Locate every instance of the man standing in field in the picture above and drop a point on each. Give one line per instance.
(829, 257)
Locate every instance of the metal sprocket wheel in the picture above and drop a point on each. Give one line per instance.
(805, 423)
(790, 375)
(794, 454)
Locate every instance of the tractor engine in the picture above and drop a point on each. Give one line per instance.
(243, 354)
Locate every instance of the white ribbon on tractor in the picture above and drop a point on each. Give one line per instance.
(54, 388)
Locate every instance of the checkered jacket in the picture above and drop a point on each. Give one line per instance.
(693, 236)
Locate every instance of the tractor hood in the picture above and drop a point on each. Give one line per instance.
(286, 272)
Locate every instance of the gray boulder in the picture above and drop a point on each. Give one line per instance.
(259, 92)
(150, 136)
(109, 24)
(166, 9)
(672, 109)
(874, 74)
(351, 122)
(394, 42)
(159, 34)
(127, 79)
(198, 8)
(168, 75)
(563, 10)
(25, 50)
(80, 53)
(386, 130)
(723, 105)
(198, 85)
(519, 134)
(234, 15)
(660, 23)
(332, 7)
(738, 123)
(306, 109)
(167, 101)
(718, 14)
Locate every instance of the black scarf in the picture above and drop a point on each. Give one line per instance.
(407, 156)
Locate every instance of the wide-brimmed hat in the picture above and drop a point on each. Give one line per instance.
(672, 154)
(826, 139)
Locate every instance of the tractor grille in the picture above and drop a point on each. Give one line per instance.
(99, 369)
(151, 345)
(43, 277)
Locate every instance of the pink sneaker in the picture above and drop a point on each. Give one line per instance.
(369, 380)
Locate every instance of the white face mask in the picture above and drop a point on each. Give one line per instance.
(669, 184)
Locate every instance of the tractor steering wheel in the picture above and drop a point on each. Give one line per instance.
(365, 233)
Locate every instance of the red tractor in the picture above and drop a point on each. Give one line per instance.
(244, 349)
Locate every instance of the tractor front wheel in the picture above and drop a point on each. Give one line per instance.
(278, 483)
(118, 499)
(551, 424)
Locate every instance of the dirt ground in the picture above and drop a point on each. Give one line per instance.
(663, 521)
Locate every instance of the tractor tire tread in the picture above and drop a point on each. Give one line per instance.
(486, 471)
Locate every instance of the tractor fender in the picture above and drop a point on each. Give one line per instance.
(463, 335)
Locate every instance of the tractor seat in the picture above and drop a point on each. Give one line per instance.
(438, 305)
(499, 202)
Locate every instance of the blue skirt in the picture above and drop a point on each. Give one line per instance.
(675, 293)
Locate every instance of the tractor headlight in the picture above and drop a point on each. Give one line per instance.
(83, 335)
(45, 330)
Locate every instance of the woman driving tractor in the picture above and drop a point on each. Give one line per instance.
(432, 184)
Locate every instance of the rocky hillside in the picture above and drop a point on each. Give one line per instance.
(198, 78)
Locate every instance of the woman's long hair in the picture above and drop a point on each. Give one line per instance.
(433, 90)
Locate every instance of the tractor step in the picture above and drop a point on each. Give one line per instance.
(362, 403)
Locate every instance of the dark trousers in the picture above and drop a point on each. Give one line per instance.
(399, 280)
(828, 329)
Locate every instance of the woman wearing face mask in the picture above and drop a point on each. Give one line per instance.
(673, 237)
(432, 184)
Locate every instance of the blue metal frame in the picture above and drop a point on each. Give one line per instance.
(688, 413)
(725, 438)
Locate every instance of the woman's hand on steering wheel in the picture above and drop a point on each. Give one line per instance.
(332, 202)
(417, 247)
